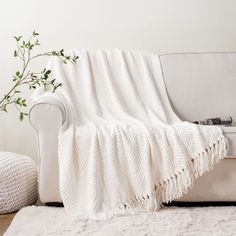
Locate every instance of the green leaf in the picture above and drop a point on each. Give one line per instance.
(37, 42)
(17, 101)
(18, 73)
(18, 38)
(21, 117)
(55, 53)
(35, 33)
(56, 87)
(4, 108)
(45, 77)
(48, 72)
(62, 52)
(15, 53)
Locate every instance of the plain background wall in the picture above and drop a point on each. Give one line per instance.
(162, 26)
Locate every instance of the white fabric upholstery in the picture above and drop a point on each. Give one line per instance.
(230, 133)
(207, 82)
(47, 117)
(216, 185)
(18, 182)
(190, 110)
(201, 85)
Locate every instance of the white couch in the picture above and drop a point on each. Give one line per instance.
(199, 85)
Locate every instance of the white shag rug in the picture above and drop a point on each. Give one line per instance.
(168, 221)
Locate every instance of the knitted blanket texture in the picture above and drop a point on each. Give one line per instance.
(122, 149)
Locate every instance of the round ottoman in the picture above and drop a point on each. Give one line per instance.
(18, 182)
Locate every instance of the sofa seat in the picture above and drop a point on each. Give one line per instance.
(217, 185)
(230, 134)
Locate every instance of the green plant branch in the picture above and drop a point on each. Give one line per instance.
(31, 79)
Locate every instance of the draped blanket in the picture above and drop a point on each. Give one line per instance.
(122, 149)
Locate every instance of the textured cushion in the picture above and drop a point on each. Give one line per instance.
(18, 182)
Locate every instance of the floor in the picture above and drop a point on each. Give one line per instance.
(5, 221)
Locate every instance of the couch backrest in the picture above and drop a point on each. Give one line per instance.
(201, 85)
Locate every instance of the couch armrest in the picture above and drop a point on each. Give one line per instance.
(46, 108)
(47, 116)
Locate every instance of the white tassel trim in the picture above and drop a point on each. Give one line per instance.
(171, 188)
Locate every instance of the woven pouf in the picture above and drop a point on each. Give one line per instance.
(18, 182)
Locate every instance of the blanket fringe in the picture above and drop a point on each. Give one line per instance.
(178, 184)
(173, 187)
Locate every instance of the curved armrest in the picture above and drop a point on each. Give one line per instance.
(48, 109)
(47, 116)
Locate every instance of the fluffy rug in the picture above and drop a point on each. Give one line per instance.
(169, 221)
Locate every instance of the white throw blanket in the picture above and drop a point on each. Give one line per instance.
(122, 149)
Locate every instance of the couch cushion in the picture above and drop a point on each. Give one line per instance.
(230, 134)
(201, 85)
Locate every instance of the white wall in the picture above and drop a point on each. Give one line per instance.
(161, 26)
